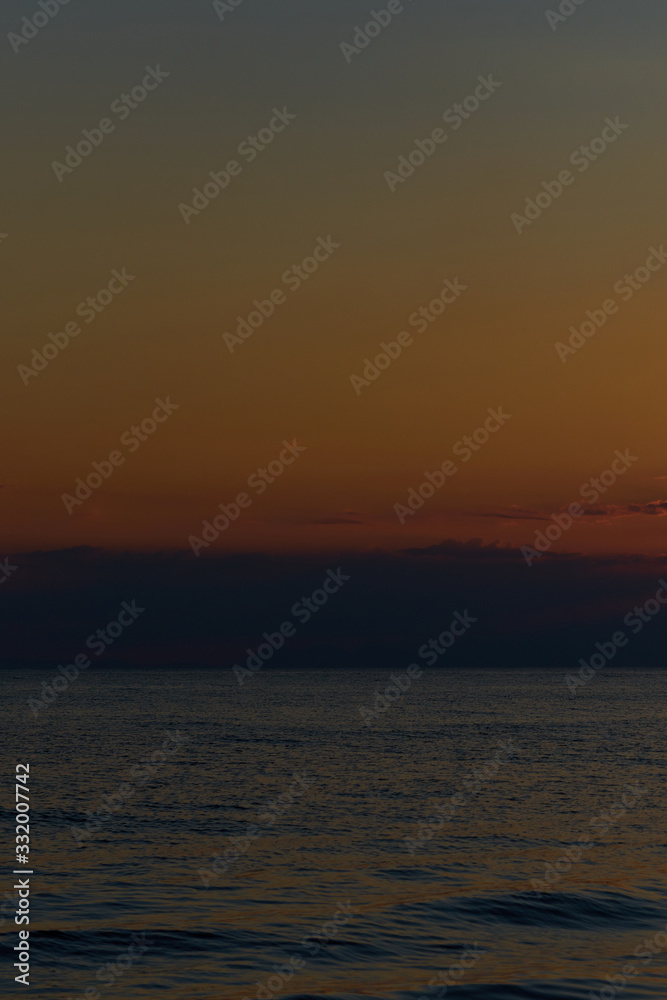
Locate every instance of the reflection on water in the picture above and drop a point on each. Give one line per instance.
(488, 837)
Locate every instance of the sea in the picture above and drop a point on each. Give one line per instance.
(479, 834)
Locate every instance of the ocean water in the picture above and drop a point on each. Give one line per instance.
(275, 845)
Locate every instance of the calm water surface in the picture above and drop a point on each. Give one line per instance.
(375, 855)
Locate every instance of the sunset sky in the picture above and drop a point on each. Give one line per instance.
(335, 343)
(323, 176)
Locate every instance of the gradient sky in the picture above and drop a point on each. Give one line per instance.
(324, 176)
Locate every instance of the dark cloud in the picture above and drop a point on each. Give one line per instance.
(347, 517)
(471, 549)
(651, 508)
(210, 610)
(342, 517)
(510, 514)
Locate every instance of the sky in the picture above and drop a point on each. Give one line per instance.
(328, 181)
